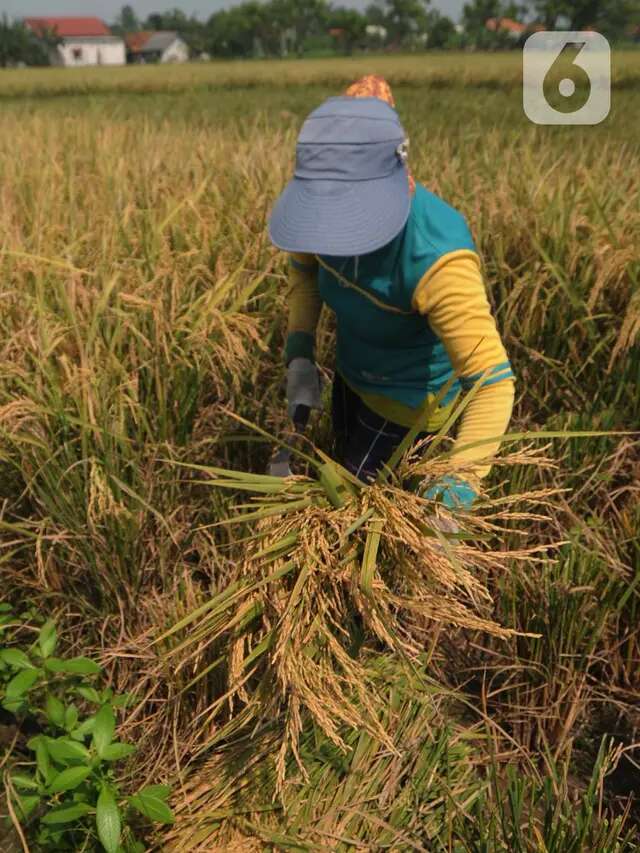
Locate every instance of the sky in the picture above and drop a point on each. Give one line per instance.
(108, 9)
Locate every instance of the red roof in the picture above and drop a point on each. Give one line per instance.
(507, 24)
(68, 27)
(136, 41)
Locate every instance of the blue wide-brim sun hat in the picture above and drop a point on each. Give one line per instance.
(350, 191)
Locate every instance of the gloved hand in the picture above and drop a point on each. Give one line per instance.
(303, 385)
(452, 492)
(446, 525)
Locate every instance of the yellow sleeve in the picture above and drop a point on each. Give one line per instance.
(453, 298)
(304, 306)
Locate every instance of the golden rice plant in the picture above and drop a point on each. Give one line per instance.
(143, 310)
(435, 789)
(447, 69)
(330, 564)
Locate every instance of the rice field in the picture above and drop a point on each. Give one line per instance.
(501, 70)
(313, 667)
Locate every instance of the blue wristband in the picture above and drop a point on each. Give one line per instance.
(299, 345)
(452, 492)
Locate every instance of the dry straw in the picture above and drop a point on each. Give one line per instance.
(141, 303)
(330, 564)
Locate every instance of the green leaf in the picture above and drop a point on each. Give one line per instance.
(116, 751)
(26, 804)
(123, 700)
(89, 693)
(66, 814)
(70, 717)
(33, 742)
(22, 780)
(16, 658)
(65, 749)
(54, 710)
(370, 556)
(108, 820)
(21, 683)
(85, 728)
(73, 666)
(38, 744)
(47, 638)
(103, 729)
(5, 607)
(152, 806)
(163, 792)
(69, 779)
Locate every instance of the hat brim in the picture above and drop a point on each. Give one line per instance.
(326, 217)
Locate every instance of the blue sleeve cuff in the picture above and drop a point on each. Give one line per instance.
(496, 374)
(299, 345)
(297, 265)
(452, 492)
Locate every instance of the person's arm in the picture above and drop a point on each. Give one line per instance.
(454, 300)
(304, 307)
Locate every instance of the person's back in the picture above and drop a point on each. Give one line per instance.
(383, 345)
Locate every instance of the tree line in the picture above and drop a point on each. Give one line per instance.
(18, 45)
(283, 27)
(316, 27)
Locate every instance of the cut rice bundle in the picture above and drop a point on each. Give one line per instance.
(332, 568)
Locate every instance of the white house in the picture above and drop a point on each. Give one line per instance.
(80, 41)
(376, 31)
(159, 46)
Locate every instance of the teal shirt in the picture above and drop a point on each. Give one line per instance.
(383, 346)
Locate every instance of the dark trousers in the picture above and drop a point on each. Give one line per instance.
(364, 440)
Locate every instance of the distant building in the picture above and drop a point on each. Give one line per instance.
(159, 46)
(81, 41)
(376, 31)
(288, 41)
(512, 28)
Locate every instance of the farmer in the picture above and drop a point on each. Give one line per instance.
(400, 270)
